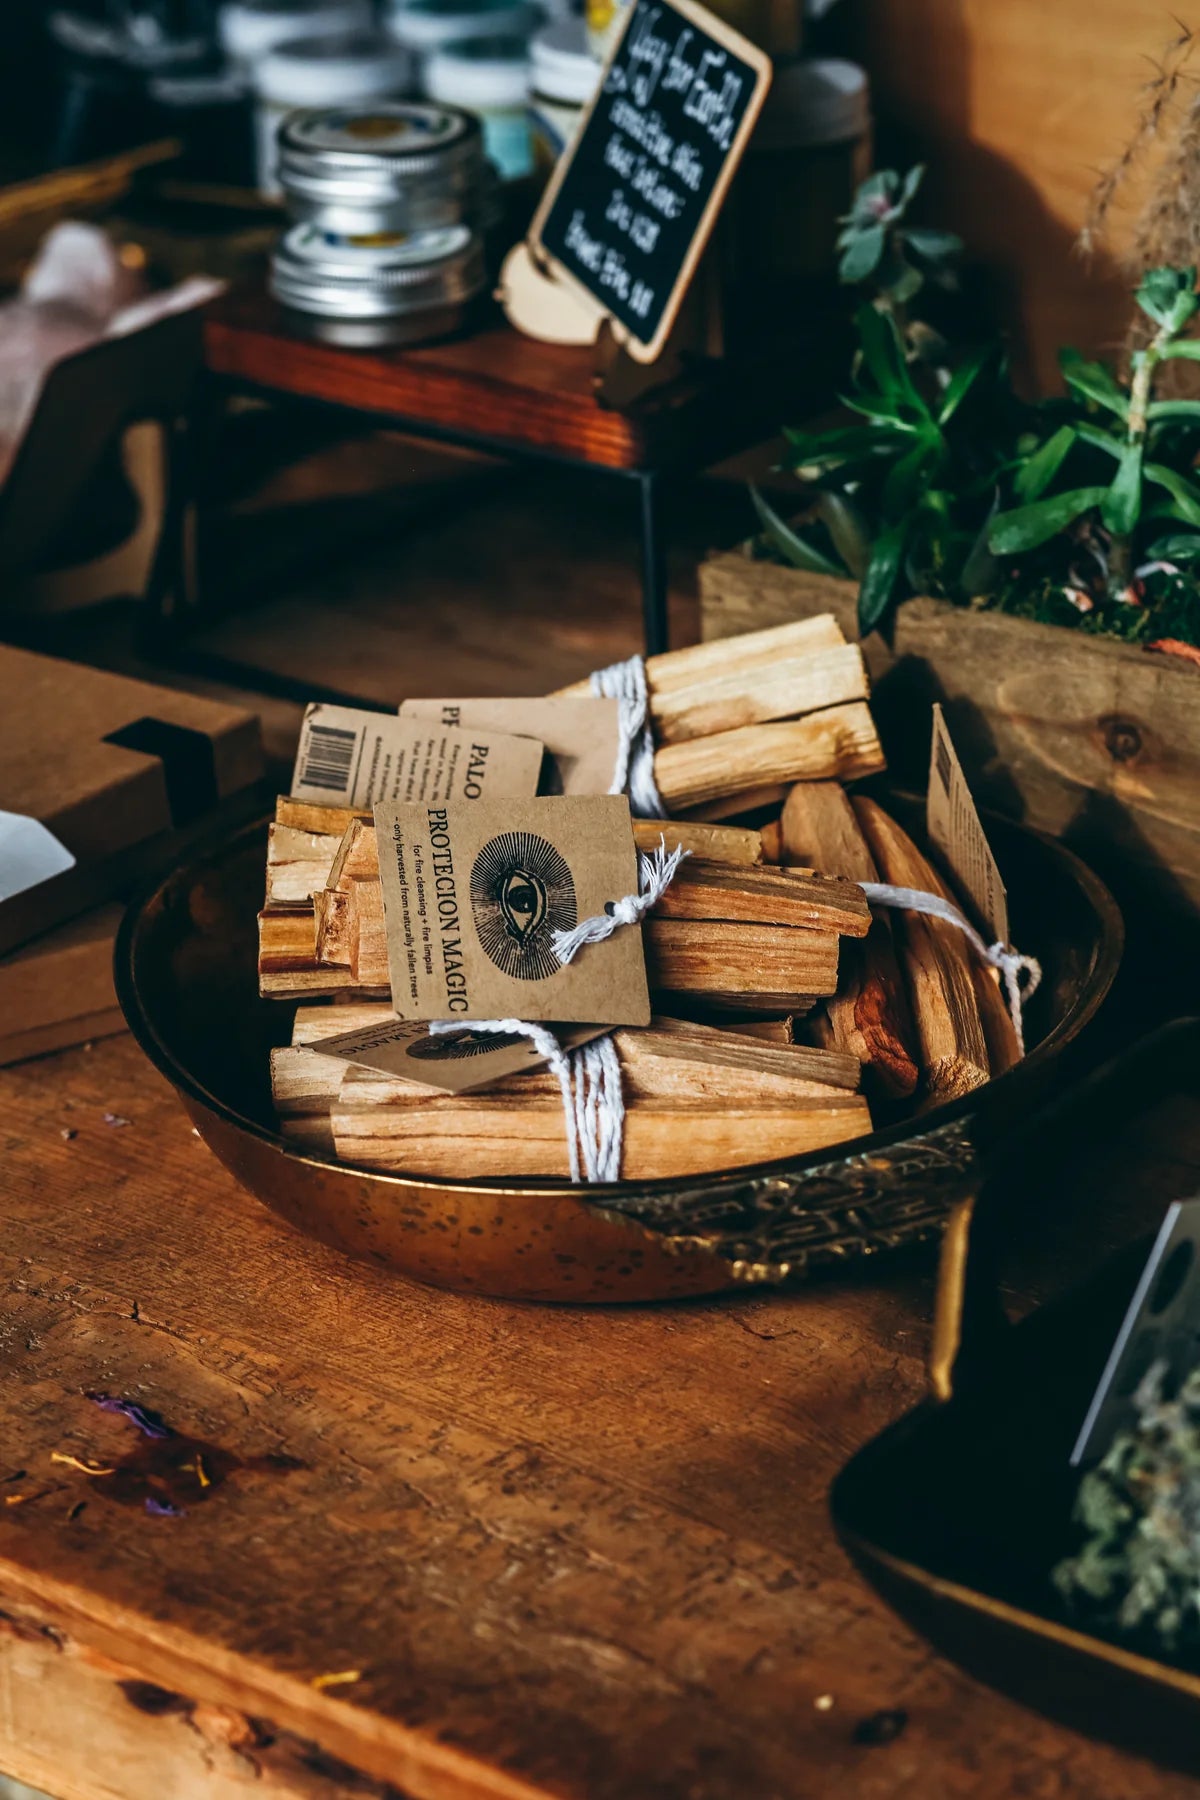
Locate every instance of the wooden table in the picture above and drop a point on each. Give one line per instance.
(567, 1552)
(497, 391)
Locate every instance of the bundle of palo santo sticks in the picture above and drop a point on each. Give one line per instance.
(785, 1010)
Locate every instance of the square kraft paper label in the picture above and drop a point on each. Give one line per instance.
(473, 894)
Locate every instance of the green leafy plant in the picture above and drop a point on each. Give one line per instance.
(1082, 510)
(902, 500)
(1109, 424)
(879, 245)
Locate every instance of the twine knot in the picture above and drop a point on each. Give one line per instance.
(625, 682)
(1021, 974)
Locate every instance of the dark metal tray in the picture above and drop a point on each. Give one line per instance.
(959, 1512)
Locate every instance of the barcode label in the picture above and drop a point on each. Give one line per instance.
(328, 758)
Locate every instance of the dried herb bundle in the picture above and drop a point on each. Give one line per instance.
(1139, 1567)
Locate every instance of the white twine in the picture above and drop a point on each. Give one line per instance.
(625, 682)
(589, 1079)
(1011, 964)
(656, 872)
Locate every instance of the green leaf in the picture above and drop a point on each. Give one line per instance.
(1174, 549)
(789, 543)
(906, 479)
(1025, 527)
(979, 573)
(898, 279)
(1099, 439)
(846, 527)
(936, 245)
(862, 254)
(879, 582)
(1189, 348)
(1173, 409)
(1121, 505)
(1185, 494)
(1168, 296)
(1093, 381)
(1035, 476)
(883, 410)
(830, 449)
(911, 182)
(962, 380)
(883, 354)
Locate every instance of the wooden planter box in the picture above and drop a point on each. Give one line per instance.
(1094, 741)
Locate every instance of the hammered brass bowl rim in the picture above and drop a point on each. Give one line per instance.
(138, 1017)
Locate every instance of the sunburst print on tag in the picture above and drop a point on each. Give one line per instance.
(522, 892)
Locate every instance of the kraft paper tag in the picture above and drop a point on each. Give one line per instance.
(581, 736)
(473, 895)
(954, 827)
(453, 1062)
(351, 757)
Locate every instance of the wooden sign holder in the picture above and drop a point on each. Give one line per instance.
(545, 299)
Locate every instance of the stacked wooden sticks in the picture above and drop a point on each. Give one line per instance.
(737, 721)
(763, 938)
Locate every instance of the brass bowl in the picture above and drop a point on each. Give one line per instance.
(186, 979)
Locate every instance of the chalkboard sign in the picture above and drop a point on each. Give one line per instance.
(634, 199)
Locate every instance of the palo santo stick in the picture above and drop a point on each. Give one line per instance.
(706, 890)
(775, 1004)
(702, 956)
(480, 1137)
(333, 933)
(868, 1016)
(287, 965)
(312, 1023)
(720, 657)
(689, 955)
(717, 843)
(294, 883)
(783, 689)
(937, 962)
(306, 815)
(731, 806)
(840, 743)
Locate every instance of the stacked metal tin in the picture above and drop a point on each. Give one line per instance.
(390, 204)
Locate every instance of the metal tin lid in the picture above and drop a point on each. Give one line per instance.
(425, 25)
(815, 100)
(480, 73)
(562, 66)
(250, 29)
(320, 71)
(338, 280)
(388, 164)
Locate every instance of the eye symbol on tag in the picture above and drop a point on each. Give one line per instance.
(452, 1046)
(522, 892)
(523, 903)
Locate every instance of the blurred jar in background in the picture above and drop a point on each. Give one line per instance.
(427, 26)
(563, 76)
(489, 77)
(251, 29)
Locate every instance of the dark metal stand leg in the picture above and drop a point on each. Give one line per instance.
(654, 568)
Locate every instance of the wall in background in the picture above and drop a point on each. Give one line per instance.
(1016, 105)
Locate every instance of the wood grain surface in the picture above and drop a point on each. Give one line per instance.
(497, 385)
(573, 1552)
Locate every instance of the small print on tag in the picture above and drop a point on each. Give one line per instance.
(581, 736)
(473, 896)
(955, 828)
(351, 757)
(452, 1062)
